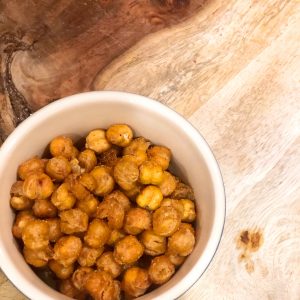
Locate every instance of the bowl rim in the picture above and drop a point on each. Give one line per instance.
(212, 165)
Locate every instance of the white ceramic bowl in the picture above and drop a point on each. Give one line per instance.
(75, 116)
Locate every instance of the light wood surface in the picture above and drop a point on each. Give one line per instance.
(234, 71)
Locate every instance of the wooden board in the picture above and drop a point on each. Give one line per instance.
(233, 69)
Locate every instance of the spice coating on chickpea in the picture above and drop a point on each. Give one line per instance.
(135, 281)
(151, 173)
(97, 141)
(109, 157)
(30, 166)
(20, 203)
(62, 197)
(98, 234)
(150, 197)
(58, 168)
(106, 262)
(168, 184)
(21, 220)
(154, 244)
(115, 236)
(67, 288)
(137, 148)
(161, 269)
(54, 229)
(119, 134)
(62, 146)
(88, 205)
(189, 212)
(88, 181)
(177, 204)
(104, 180)
(73, 220)
(120, 197)
(43, 208)
(61, 272)
(161, 155)
(37, 257)
(176, 260)
(136, 220)
(183, 191)
(88, 256)
(80, 277)
(87, 160)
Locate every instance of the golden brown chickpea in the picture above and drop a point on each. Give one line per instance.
(150, 197)
(126, 173)
(62, 146)
(37, 258)
(101, 286)
(189, 212)
(135, 281)
(67, 249)
(80, 277)
(176, 260)
(113, 211)
(98, 234)
(115, 236)
(134, 191)
(107, 263)
(136, 220)
(174, 203)
(183, 191)
(88, 181)
(88, 205)
(62, 197)
(30, 166)
(105, 182)
(128, 250)
(43, 208)
(166, 220)
(161, 155)
(61, 272)
(67, 288)
(77, 189)
(137, 148)
(88, 256)
(17, 188)
(75, 167)
(151, 173)
(96, 141)
(75, 153)
(168, 184)
(35, 234)
(20, 203)
(109, 157)
(54, 229)
(120, 197)
(73, 221)
(161, 269)
(21, 220)
(87, 160)
(154, 244)
(58, 168)
(182, 242)
(38, 186)
(119, 134)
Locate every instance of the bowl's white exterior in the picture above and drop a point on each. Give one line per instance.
(75, 116)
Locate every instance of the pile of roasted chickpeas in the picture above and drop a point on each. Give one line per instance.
(109, 221)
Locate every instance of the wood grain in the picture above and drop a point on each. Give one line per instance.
(233, 70)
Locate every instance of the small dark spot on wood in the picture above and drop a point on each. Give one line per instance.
(245, 237)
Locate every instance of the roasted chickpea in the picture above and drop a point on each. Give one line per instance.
(88, 256)
(58, 168)
(87, 160)
(43, 208)
(88, 181)
(154, 244)
(115, 236)
(166, 220)
(177, 204)
(168, 184)
(20, 203)
(37, 258)
(61, 272)
(176, 260)
(137, 148)
(38, 186)
(54, 229)
(128, 250)
(30, 166)
(17, 188)
(119, 134)
(109, 157)
(77, 189)
(151, 173)
(107, 263)
(67, 249)
(62, 146)
(136, 220)
(73, 220)
(182, 191)
(161, 269)
(80, 277)
(21, 220)
(104, 180)
(97, 141)
(75, 167)
(135, 281)
(150, 197)
(101, 286)
(126, 173)
(161, 155)
(182, 242)
(62, 197)
(120, 197)
(35, 234)
(75, 152)
(88, 205)
(189, 212)
(67, 288)
(134, 191)
(98, 234)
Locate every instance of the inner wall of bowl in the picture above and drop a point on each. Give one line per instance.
(76, 121)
